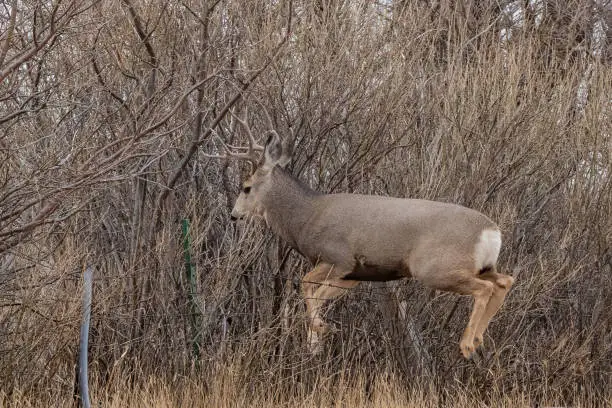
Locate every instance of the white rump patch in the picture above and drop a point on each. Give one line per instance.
(487, 248)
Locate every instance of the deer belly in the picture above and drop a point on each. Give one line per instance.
(365, 271)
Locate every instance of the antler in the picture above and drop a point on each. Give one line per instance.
(253, 150)
(238, 151)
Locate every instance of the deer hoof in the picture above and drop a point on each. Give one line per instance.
(319, 326)
(478, 342)
(467, 349)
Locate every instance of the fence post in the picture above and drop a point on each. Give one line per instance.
(84, 338)
(191, 281)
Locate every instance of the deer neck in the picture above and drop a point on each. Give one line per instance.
(288, 205)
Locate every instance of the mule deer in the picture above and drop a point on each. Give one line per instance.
(351, 238)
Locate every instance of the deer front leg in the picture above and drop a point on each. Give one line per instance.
(310, 283)
(321, 284)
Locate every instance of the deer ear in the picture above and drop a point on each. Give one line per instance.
(273, 153)
(287, 152)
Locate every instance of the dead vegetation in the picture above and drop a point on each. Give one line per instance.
(107, 112)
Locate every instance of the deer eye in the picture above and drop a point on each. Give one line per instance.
(246, 190)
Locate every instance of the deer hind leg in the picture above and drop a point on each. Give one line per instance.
(466, 282)
(482, 291)
(502, 284)
(321, 284)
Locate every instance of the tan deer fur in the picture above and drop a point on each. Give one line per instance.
(352, 238)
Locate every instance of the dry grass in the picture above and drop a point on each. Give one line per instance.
(226, 392)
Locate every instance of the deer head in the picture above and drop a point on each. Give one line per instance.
(249, 202)
(276, 152)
